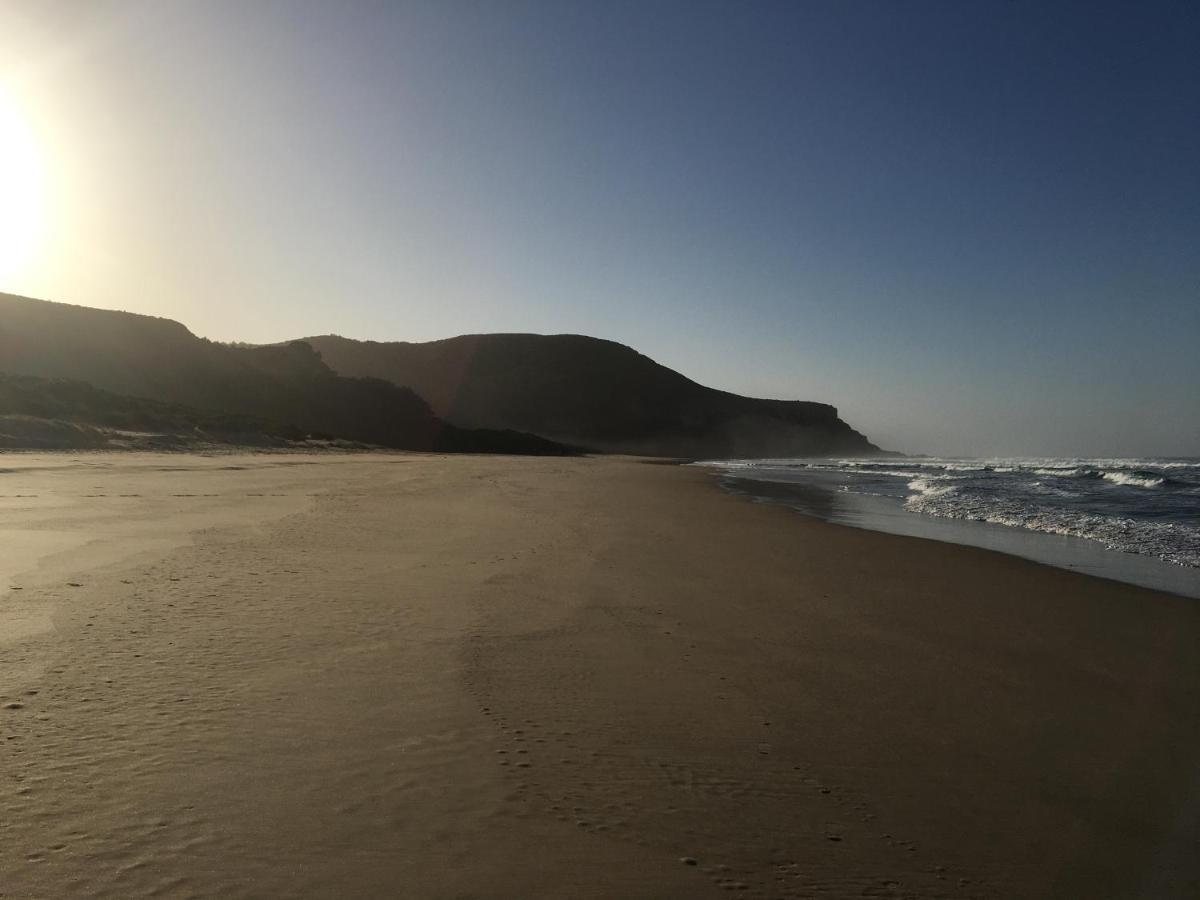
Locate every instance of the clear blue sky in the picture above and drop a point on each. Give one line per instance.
(974, 227)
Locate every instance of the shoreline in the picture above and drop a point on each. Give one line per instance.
(874, 513)
(545, 677)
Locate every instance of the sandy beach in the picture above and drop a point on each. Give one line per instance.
(452, 677)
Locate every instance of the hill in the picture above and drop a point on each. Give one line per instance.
(145, 357)
(57, 413)
(593, 393)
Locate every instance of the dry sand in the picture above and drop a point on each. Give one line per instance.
(408, 676)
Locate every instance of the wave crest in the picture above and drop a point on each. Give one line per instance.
(931, 487)
(1134, 479)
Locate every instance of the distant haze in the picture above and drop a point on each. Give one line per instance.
(973, 228)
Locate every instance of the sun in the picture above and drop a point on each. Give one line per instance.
(22, 190)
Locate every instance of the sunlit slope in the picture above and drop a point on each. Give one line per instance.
(143, 356)
(592, 392)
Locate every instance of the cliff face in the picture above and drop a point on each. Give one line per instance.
(158, 359)
(594, 393)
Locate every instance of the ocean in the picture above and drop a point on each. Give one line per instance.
(1134, 520)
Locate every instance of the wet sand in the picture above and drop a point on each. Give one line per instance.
(451, 677)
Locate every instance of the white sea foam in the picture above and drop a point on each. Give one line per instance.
(1059, 512)
(931, 487)
(1132, 480)
(1145, 506)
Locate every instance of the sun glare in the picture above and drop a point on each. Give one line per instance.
(22, 190)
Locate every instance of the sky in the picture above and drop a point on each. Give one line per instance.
(974, 227)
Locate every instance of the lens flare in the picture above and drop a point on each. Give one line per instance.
(22, 190)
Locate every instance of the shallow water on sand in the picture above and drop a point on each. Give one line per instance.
(1131, 520)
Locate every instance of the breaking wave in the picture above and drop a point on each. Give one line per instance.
(1135, 479)
(1147, 506)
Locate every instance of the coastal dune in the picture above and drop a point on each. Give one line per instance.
(441, 677)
